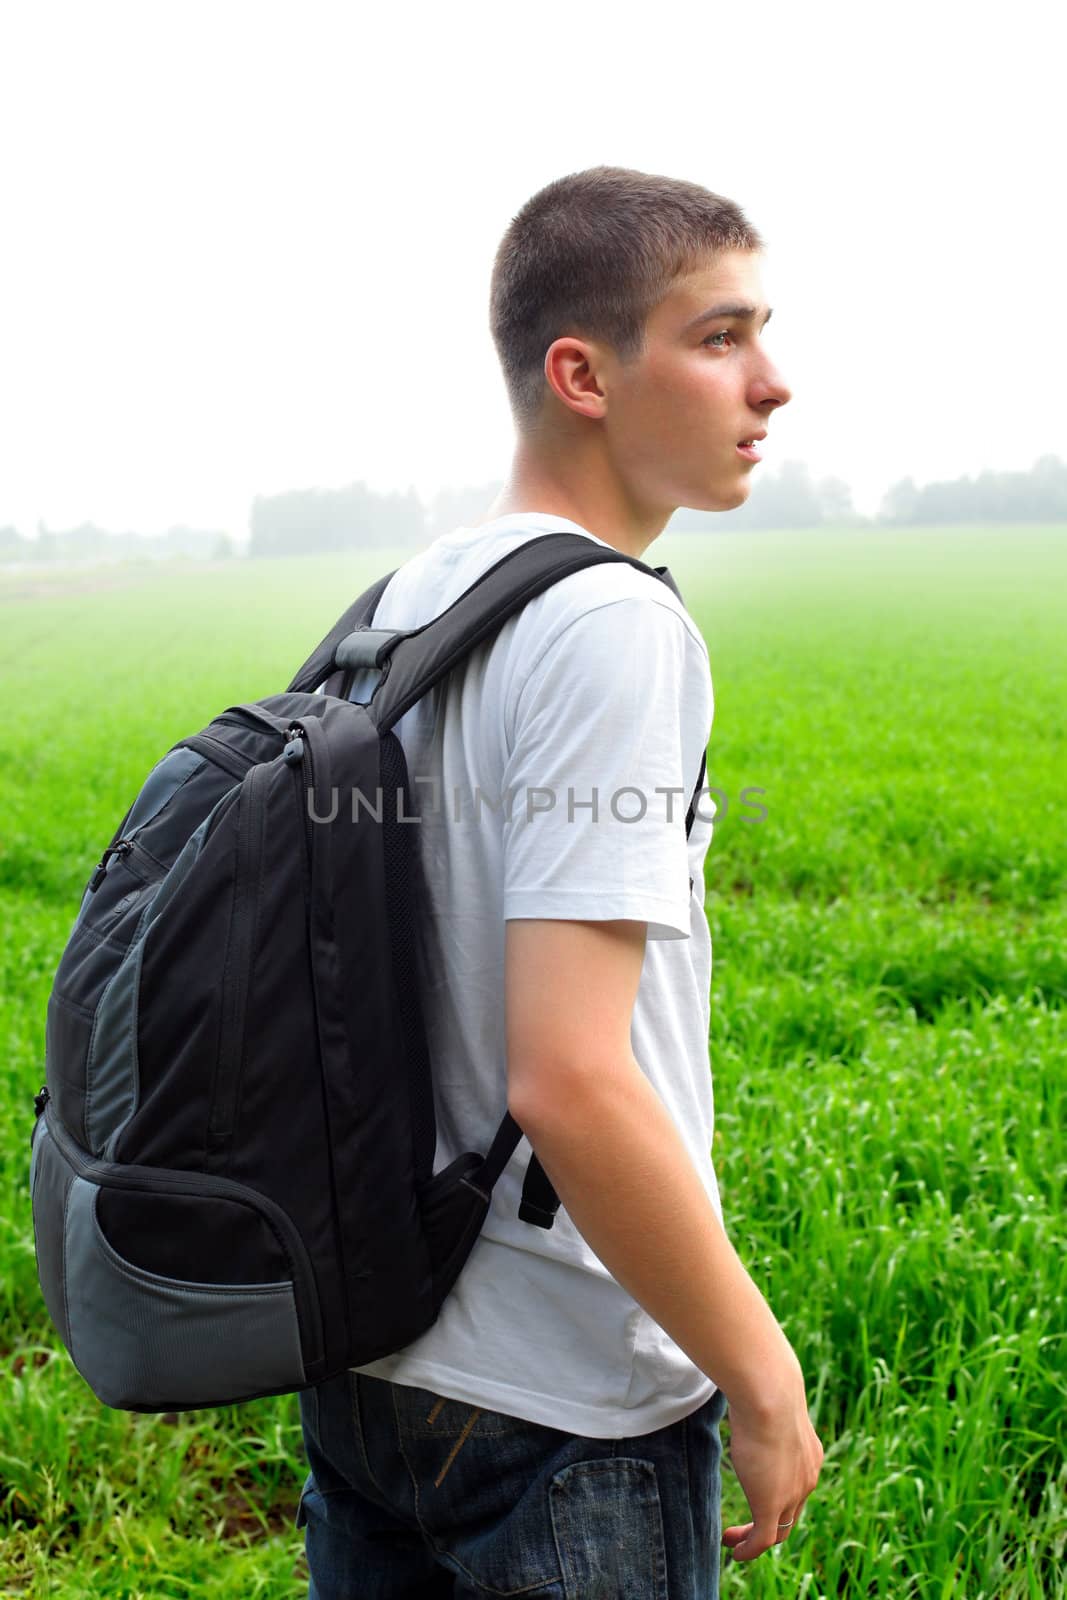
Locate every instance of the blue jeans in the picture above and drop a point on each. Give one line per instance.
(412, 1496)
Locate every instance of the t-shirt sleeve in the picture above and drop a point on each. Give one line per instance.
(604, 749)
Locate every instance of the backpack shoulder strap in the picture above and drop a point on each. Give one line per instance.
(417, 659)
(412, 660)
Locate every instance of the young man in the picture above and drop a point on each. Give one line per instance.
(555, 1432)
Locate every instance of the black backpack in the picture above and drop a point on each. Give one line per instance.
(232, 1163)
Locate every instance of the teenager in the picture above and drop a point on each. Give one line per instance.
(555, 1433)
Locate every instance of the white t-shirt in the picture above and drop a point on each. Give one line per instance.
(601, 683)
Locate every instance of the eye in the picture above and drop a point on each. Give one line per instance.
(710, 340)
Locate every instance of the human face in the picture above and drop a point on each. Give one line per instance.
(675, 418)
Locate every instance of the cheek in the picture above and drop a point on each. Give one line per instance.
(685, 394)
(706, 385)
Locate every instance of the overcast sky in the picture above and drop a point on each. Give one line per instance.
(247, 246)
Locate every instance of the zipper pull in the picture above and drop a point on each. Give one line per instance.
(101, 870)
(121, 847)
(41, 1099)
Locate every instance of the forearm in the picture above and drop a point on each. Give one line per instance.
(625, 1178)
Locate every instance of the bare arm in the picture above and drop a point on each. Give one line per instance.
(623, 1174)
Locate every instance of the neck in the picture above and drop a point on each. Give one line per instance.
(566, 473)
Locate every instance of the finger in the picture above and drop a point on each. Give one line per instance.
(734, 1535)
(760, 1538)
(786, 1524)
(796, 1514)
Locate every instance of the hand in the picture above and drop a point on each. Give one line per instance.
(777, 1457)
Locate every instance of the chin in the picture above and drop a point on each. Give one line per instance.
(726, 499)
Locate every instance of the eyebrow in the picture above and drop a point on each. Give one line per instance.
(729, 308)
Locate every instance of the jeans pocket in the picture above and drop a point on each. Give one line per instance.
(608, 1526)
(479, 1482)
(302, 1510)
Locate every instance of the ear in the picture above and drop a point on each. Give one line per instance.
(573, 369)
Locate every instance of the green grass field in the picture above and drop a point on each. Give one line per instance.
(887, 1043)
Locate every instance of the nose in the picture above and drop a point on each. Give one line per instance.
(770, 389)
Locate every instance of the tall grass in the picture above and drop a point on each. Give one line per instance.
(887, 1045)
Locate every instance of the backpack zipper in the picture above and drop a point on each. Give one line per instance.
(233, 762)
(245, 716)
(294, 756)
(244, 917)
(148, 869)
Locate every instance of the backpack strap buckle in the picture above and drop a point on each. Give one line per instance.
(366, 647)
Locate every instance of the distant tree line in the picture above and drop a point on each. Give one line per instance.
(1039, 495)
(358, 517)
(792, 498)
(334, 519)
(303, 521)
(87, 542)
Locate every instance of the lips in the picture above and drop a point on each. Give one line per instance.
(747, 447)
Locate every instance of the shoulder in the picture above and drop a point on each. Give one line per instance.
(605, 646)
(622, 592)
(611, 618)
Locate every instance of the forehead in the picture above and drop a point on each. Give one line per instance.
(734, 275)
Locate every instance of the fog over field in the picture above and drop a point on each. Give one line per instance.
(248, 247)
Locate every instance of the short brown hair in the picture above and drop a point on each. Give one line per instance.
(592, 254)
